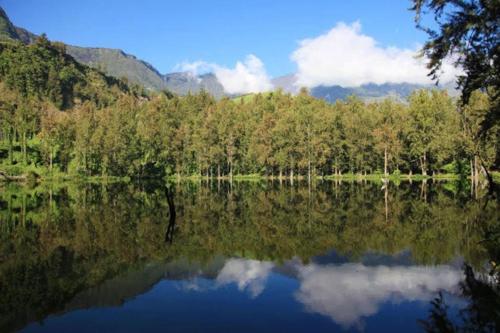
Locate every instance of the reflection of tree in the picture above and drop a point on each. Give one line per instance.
(481, 289)
(79, 236)
(482, 313)
(169, 235)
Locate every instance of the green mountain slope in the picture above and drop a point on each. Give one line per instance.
(44, 71)
(119, 64)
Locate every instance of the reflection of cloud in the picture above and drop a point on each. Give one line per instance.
(191, 285)
(248, 274)
(350, 292)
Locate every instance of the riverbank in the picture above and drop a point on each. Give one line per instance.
(34, 175)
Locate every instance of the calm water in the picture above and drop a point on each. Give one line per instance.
(246, 257)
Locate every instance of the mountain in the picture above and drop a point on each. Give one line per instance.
(117, 63)
(7, 29)
(183, 82)
(287, 83)
(367, 92)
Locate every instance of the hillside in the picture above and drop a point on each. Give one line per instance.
(43, 71)
(117, 63)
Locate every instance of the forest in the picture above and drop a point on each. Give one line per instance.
(60, 118)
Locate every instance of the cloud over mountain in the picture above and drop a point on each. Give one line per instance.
(248, 76)
(346, 57)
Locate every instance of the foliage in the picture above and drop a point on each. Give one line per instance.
(62, 117)
(468, 32)
(57, 240)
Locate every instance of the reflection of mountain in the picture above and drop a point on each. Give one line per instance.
(116, 291)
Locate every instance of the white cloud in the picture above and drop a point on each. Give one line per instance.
(247, 274)
(350, 292)
(245, 77)
(346, 57)
(195, 68)
(249, 76)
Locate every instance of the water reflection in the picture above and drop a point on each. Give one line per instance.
(69, 247)
(346, 293)
(350, 292)
(249, 275)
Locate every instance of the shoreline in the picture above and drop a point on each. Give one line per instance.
(23, 179)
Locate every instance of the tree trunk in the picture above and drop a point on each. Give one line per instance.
(386, 199)
(50, 160)
(423, 164)
(385, 162)
(471, 170)
(476, 169)
(291, 176)
(309, 171)
(24, 147)
(218, 171)
(11, 143)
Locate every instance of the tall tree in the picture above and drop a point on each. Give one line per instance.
(469, 32)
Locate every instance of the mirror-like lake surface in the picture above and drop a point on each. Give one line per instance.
(241, 257)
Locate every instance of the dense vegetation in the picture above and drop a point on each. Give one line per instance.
(62, 117)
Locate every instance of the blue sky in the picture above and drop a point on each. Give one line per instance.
(166, 33)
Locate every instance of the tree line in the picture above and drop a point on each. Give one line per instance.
(58, 116)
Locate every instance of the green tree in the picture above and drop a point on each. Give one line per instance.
(468, 31)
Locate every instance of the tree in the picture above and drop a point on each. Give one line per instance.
(481, 149)
(429, 126)
(468, 31)
(388, 131)
(26, 118)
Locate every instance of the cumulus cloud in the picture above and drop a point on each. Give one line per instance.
(350, 292)
(249, 275)
(248, 76)
(346, 57)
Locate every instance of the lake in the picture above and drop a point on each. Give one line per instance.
(242, 257)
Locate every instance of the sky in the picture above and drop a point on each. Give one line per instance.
(244, 42)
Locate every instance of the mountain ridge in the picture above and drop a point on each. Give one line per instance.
(118, 63)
